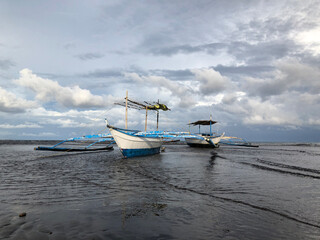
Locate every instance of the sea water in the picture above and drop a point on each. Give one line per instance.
(270, 192)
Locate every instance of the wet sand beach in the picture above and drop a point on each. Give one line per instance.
(270, 192)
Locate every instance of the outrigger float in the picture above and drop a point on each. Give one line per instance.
(100, 138)
(237, 142)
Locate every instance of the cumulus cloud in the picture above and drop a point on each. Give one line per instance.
(288, 96)
(288, 109)
(253, 111)
(74, 118)
(269, 113)
(176, 89)
(205, 85)
(211, 81)
(10, 103)
(48, 90)
(232, 97)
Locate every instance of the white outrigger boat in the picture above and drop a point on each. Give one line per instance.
(201, 139)
(134, 144)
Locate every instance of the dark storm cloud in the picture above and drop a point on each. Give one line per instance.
(269, 39)
(13, 110)
(258, 41)
(180, 75)
(89, 56)
(69, 45)
(309, 58)
(6, 109)
(211, 48)
(266, 89)
(291, 76)
(262, 30)
(252, 70)
(258, 53)
(169, 51)
(262, 52)
(5, 64)
(103, 73)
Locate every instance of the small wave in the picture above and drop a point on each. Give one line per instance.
(317, 225)
(291, 151)
(288, 166)
(279, 170)
(314, 144)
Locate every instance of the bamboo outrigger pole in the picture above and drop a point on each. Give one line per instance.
(127, 109)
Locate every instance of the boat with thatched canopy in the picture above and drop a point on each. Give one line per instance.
(204, 139)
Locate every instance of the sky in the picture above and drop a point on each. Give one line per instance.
(253, 65)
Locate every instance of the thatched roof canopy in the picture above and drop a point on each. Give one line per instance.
(202, 122)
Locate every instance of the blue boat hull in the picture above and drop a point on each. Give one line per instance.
(129, 153)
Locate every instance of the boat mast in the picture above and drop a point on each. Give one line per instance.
(158, 117)
(126, 110)
(128, 103)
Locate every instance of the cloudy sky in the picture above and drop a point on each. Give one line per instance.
(254, 65)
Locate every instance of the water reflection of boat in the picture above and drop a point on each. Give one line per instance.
(133, 144)
(202, 139)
